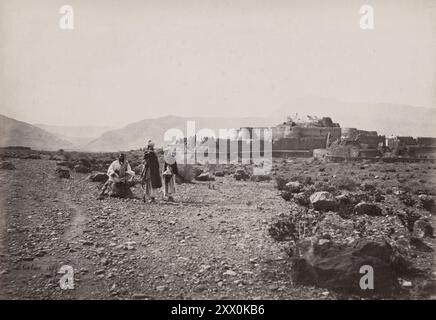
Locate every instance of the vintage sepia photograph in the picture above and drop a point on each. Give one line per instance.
(217, 150)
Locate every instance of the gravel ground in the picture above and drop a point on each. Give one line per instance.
(208, 244)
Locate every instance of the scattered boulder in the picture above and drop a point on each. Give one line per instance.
(294, 186)
(241, 174)
(6, 165)
(346, 204)
(204, 177)
(369, 209)
(63, 173)
(337, 266)
(422, 228)
(323, 201)
(427, 202)
(99, 177)
(81, 169)
(260, 178)
(219, 173)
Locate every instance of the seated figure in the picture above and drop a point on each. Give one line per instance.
(120, 179)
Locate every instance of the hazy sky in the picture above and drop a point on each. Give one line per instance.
(128, 60)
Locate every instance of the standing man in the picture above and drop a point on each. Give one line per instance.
(150, 175)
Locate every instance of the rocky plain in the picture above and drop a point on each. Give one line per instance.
(301, 232)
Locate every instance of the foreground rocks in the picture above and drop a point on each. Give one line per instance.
(339, 207)
(193, 248)
(323, 201)
(338, 267)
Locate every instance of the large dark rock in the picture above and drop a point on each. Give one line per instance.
(337, 267)
(99, 177)
(241, 174)
(369, 209)
(427, 202)
(323, 201)
(63, 173)
(219, 173)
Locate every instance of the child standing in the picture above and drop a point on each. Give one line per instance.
(169, 176)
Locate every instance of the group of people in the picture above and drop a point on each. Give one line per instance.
(120, 173)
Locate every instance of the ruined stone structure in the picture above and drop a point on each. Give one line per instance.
(421, 147)
(299, 137)
(304, 136)
(322, 138)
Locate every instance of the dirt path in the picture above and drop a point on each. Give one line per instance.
(208, 244)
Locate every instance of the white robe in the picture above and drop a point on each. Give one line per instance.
(116, 166)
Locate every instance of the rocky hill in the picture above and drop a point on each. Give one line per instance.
(18, 133)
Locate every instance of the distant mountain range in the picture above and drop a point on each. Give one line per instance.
(18, 133)
(384, 118)
(80, 136)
